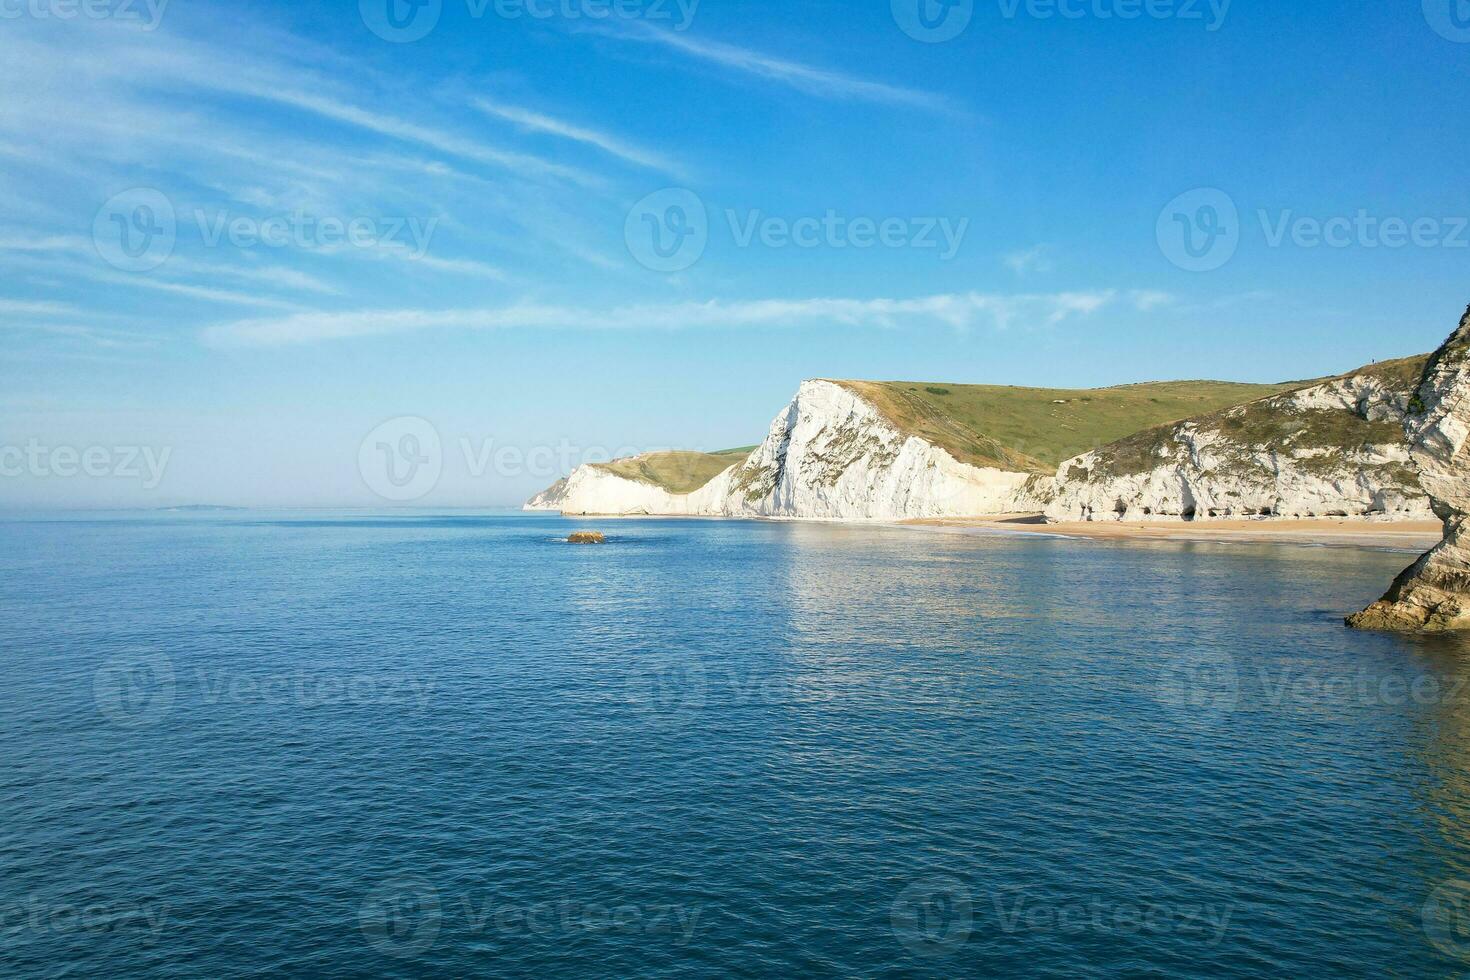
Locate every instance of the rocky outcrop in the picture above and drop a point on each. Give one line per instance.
(1433, 594)
(830, 454)
(1330, 449)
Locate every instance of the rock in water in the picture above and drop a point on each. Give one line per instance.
(1433, 594)
(586, 537)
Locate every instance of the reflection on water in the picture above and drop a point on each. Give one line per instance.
(454, 744)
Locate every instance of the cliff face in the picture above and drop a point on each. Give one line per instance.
(1434, 593)
(592, 489)
(828, 455)
(867, 451)
(1330, 449)
(831, 454)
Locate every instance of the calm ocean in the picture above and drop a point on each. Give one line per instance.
(347, 744)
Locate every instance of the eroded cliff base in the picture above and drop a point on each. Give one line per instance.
(1431, 596)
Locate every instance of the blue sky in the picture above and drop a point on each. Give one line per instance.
(249, 233)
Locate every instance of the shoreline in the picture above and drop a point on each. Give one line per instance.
(1416, 536)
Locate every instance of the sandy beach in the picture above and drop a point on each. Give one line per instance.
(1340, 532)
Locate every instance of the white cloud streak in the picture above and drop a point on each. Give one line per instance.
(820, 82)
(539, 123)
(960, 311)
(22, 307)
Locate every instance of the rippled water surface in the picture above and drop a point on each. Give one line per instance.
(353, 745)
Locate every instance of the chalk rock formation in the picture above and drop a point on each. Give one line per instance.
(1331, 449)
(1433, 594)
(829, 454)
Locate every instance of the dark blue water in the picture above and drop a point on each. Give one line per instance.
(349, 745)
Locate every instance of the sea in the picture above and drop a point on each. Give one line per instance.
(412, 743)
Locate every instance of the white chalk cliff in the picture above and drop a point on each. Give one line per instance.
(828, 455)
(1330, 448)
(1433, 594)
(1334, 449)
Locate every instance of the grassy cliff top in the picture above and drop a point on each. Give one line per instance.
(677, 471)
(1265, 422)
(1035, 429)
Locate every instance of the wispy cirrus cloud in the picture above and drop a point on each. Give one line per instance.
(260, 130)
(75, 246)
(958, 310)
(25, 307)
(613, 145)
(823, 83)
(96, 336)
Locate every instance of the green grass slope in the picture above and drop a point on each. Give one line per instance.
(1035, 429)
(1262, 423)
(677, 471)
